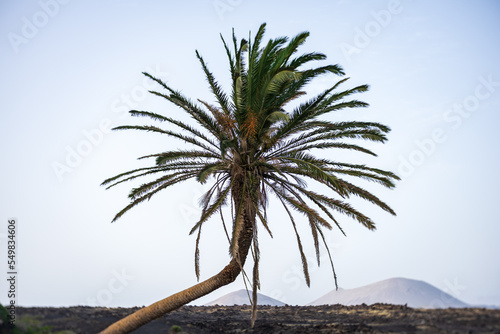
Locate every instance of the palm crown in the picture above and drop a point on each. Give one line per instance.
(251, 146)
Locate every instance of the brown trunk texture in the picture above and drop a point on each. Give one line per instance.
(156, 310)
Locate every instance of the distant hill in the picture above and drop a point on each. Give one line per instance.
(417, 294)
(240, 297)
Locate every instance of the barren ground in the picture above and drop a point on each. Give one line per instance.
(378, 318)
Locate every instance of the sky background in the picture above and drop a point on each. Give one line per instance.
(72, 69)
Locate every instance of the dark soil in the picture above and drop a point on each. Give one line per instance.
(378, 318)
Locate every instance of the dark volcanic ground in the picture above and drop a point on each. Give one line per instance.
(378, 318)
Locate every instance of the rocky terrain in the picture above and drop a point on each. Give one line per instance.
(378, 318)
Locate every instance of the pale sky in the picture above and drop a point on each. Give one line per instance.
(72, 69)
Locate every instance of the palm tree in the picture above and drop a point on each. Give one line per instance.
(250, 147)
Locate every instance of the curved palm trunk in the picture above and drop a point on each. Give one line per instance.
(156, 310)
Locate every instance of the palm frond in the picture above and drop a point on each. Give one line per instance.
(148, 196)
(218, 203)
(180, 124)
(214, 86)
